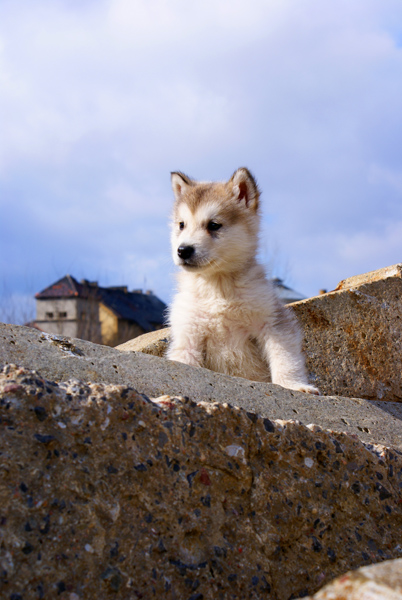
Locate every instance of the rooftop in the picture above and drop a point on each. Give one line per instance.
(144, 309)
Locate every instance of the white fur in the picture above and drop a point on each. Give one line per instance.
(226, 315)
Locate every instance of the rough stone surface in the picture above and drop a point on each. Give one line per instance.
(376, 582)
(353, 337)
(154, 342)
(107, 494)
(61, 358)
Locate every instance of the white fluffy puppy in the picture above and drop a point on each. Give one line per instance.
(226, 315)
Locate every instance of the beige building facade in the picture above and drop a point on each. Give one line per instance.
(108, 316)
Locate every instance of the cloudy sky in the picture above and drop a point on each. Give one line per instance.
(101, 99)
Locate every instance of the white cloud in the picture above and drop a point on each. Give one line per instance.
(373, 247)
(100, 100)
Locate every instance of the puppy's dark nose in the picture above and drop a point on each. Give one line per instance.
(185, 252)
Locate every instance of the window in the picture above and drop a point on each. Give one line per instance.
(62, 315)
(49, 315)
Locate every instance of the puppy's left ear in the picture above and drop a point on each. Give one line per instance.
(180, 183)
(245, 188)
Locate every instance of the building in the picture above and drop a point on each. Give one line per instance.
(104, 315)
(285, 293)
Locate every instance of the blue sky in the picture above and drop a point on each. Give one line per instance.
(99, 101)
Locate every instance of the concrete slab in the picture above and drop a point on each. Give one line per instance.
(60, 359)
(352, 337)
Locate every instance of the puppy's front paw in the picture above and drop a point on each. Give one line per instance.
(306, 388)
(185, 357)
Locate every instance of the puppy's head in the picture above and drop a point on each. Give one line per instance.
(215, 225)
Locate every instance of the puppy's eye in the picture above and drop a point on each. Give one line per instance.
(213, 226)
(181, 225)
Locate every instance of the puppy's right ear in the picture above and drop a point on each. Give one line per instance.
(180, 183)
(245, 188)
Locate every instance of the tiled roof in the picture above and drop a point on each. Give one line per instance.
(144, 309)
(66, 287)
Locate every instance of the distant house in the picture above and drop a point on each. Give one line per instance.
(285, 293)
(104, 315)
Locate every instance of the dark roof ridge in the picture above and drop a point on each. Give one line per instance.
(65, 287)
(144, 309)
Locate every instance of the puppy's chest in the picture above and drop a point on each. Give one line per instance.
(229, 319)
(229, 335)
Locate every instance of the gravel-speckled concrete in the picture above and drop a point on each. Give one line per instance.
(382, 581)
(105, 493)
(59, 359)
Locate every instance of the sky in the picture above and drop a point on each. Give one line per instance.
(101, 99)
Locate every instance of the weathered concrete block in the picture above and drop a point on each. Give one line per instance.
(62, 358)
(154, 343)
(352, 337)
(107, 494)
(376, 582)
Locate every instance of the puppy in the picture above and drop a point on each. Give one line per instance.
(226, 315)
